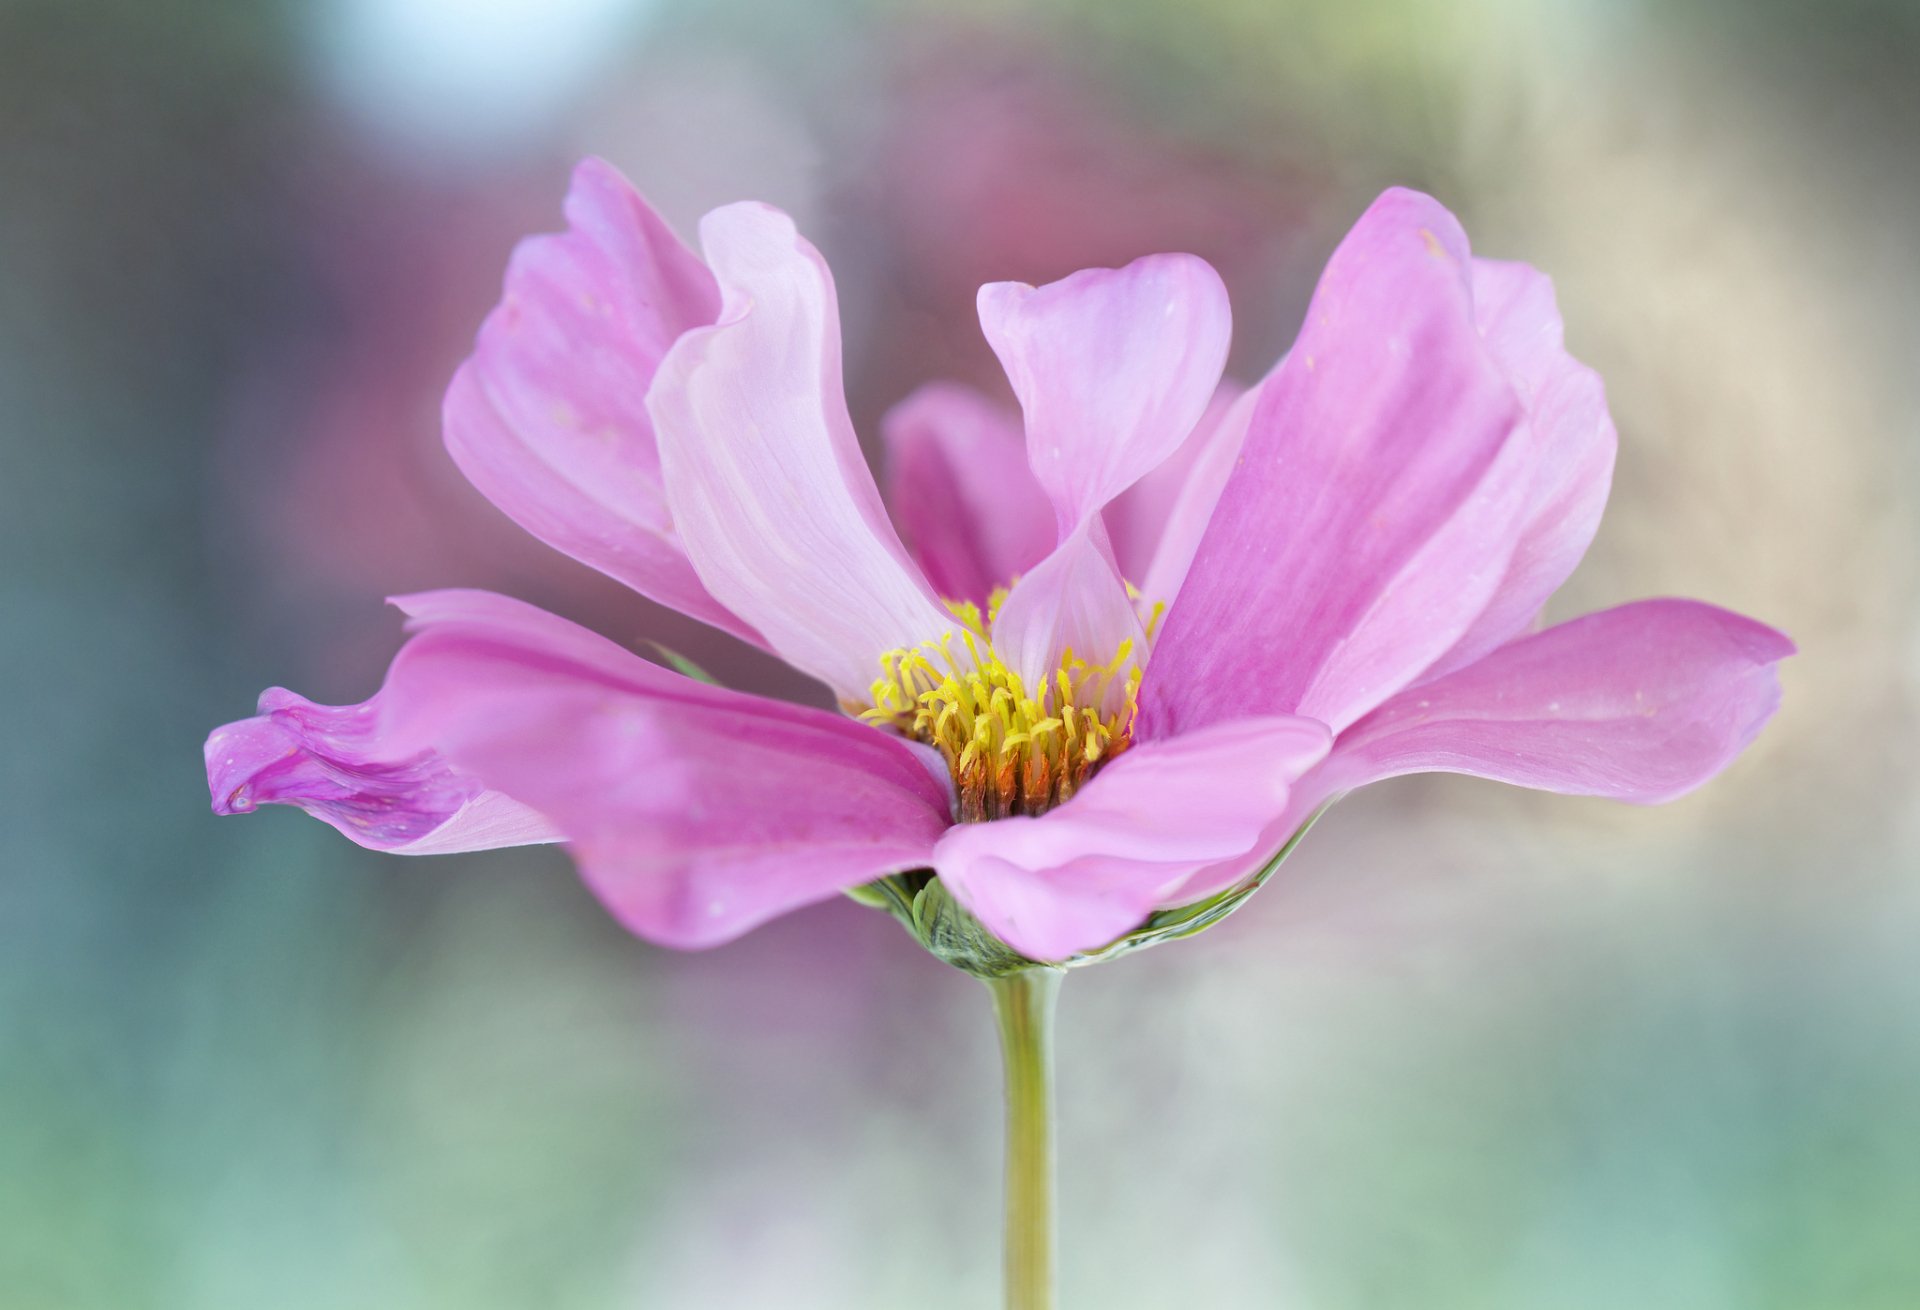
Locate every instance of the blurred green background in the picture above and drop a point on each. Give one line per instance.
(1476, 1048)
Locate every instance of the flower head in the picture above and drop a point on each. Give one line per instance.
(1144, 630)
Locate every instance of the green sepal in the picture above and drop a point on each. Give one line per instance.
(945, 928)
(893, 893)
(681, 664)
(943, 925)
(875, 896)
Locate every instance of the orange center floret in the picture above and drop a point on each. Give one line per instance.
(1012, 749)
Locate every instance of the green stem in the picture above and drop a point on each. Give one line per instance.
(1023, 1003)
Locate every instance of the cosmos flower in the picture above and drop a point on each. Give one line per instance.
(1145, 629)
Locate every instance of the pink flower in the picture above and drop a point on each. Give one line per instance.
(1335, 580)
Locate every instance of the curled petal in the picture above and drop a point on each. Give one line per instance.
(1373, 507)
(695, 812)
(960, 488)
(1572, 449)
(334, 762)
(548, 417)
(1113, 367)
(765, 478)
(1076, 877)
(1641, 703)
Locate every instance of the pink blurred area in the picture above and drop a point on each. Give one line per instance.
(1002, 158)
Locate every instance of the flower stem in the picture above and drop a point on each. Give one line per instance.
(1023, 1004)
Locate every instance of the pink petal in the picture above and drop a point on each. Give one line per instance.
(1113, 367)
(1073, 599)
(1137, 518)
(1076, 877)
(1573, 448)
(1211, 454)
(334, 762)
(1373, 508)
(695, 812)
(1641, 703)
(548, 417)
(765, 478)
(958, 482)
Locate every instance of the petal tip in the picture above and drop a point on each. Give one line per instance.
(1419, 216)
(236, 754)
(723, 225)
(596, 170)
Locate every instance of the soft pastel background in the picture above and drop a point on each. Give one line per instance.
(1475, 1048)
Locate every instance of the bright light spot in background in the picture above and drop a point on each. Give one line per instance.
(464, 79)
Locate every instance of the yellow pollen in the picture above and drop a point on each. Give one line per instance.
(1012, 749)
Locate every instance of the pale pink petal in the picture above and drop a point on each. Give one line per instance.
(1113, 367)
(1641, 703)
(1137, 518)
(1072, 600)
(334, 762)
(765, 478)
(695, 812)
(1076, 877)
(1216, 452)
(1372, 511)
(1573, 448)
(961, 491)
(548, 417)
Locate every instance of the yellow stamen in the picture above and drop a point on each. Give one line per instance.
(1012, 748)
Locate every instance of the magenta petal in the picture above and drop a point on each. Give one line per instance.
(1641, 703)
(1372, 511)
(1113, 367)
(1076, 877)
(548, 417)
(961, 491)
(695, 812)
(334, 762)
(768, 486)
(1572, 448)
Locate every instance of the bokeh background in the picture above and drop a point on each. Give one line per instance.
(1475, 1048)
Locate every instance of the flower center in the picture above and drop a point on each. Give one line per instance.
(1012, 748)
